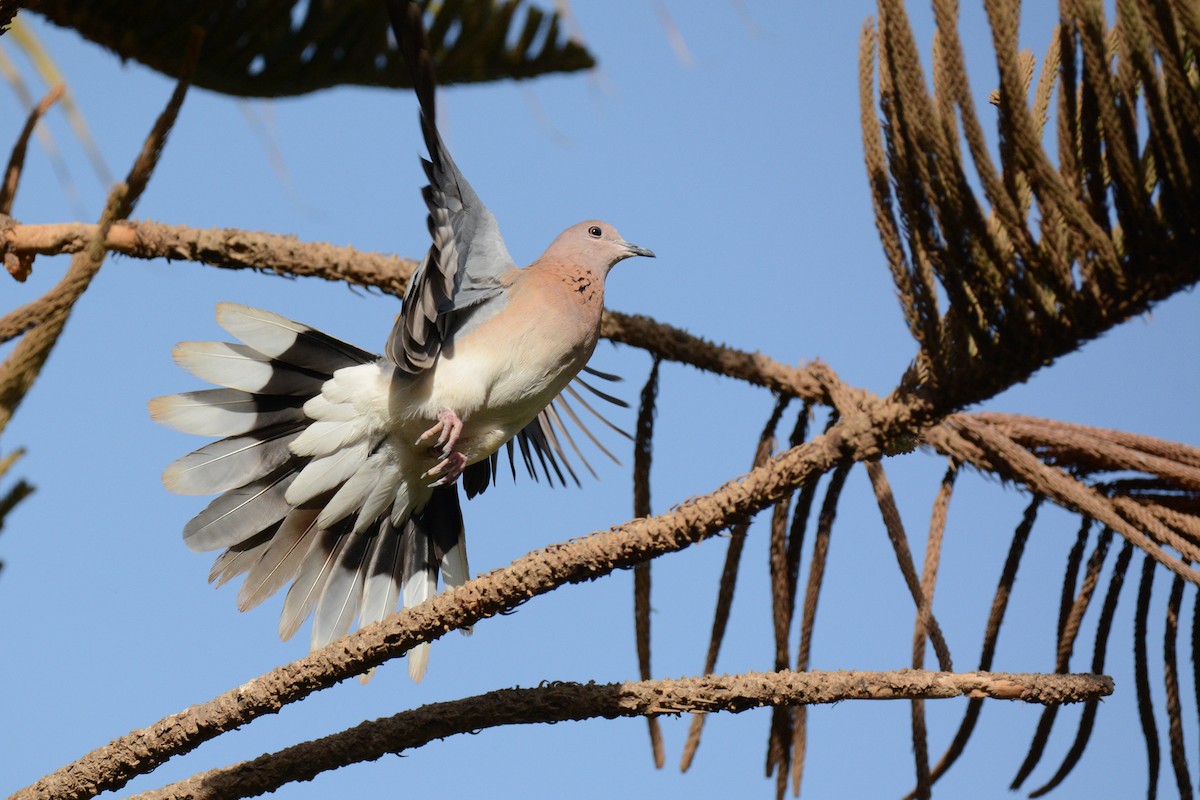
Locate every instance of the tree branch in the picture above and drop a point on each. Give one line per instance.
(988, 447)
(558, 702)
(856, 437)
(231, 248)
(873, 427)
(48, 315)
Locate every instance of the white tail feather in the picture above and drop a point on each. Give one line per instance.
(381, 590)
(342, 591)
(455, 571)
(389, 491)
(324, 474)
(323, 438)
(234, 365)
(320, 408)
(212, 412)
(418, 661)
(268, 333)
(354, 492)
(303, 594)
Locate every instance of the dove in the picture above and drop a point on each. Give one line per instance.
(337, 470)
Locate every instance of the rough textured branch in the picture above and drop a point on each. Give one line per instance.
(872, 428)
(579, 560)
(231, 248)
(1115, 215)
(557, 702)
(990, 448)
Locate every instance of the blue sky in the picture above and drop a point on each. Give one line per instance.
(743, 171)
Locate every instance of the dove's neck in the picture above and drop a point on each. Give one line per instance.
(568, 287)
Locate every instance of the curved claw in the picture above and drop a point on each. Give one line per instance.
(450, 468)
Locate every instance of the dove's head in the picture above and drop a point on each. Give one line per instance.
(595, 245)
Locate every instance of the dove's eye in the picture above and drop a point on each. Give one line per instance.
(594, 231)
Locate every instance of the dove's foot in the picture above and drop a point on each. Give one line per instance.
(442, 437)
(449, 468)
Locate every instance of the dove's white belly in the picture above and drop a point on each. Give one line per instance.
(500, 375)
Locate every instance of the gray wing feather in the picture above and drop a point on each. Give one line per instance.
(467, 259)
(224, 412)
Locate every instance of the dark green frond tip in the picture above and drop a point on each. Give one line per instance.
(276, 48)
(13, 496)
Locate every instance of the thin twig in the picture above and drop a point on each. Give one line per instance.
(1141, 672)
(991, 634)
(49, 313)
(19, 265)
(642, 452)
(895, 530)
(1171, 683)
(728, 583)
(816, 575)
(1088, 718)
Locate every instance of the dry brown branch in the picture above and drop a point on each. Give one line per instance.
(229, 248)
(1141, 671)
(895, 530)
(1088, 718)
(19, 267)
(1007, 289)
(1084, 449)
(1115, 211)
(728, 581)
(642, 452)
(232, 248)
(813, 382)
(110, 767)
(1171, 682)
(47, 316)
(784, 577)
(556, 702)
(779, 734)
(1068, 631)
(816, 576)
(991, 634)
(1011, 461)
(925, 623)
(44, 319)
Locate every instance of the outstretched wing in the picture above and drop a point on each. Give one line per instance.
(467, 260)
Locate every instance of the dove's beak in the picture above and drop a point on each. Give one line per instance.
(634, 250)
